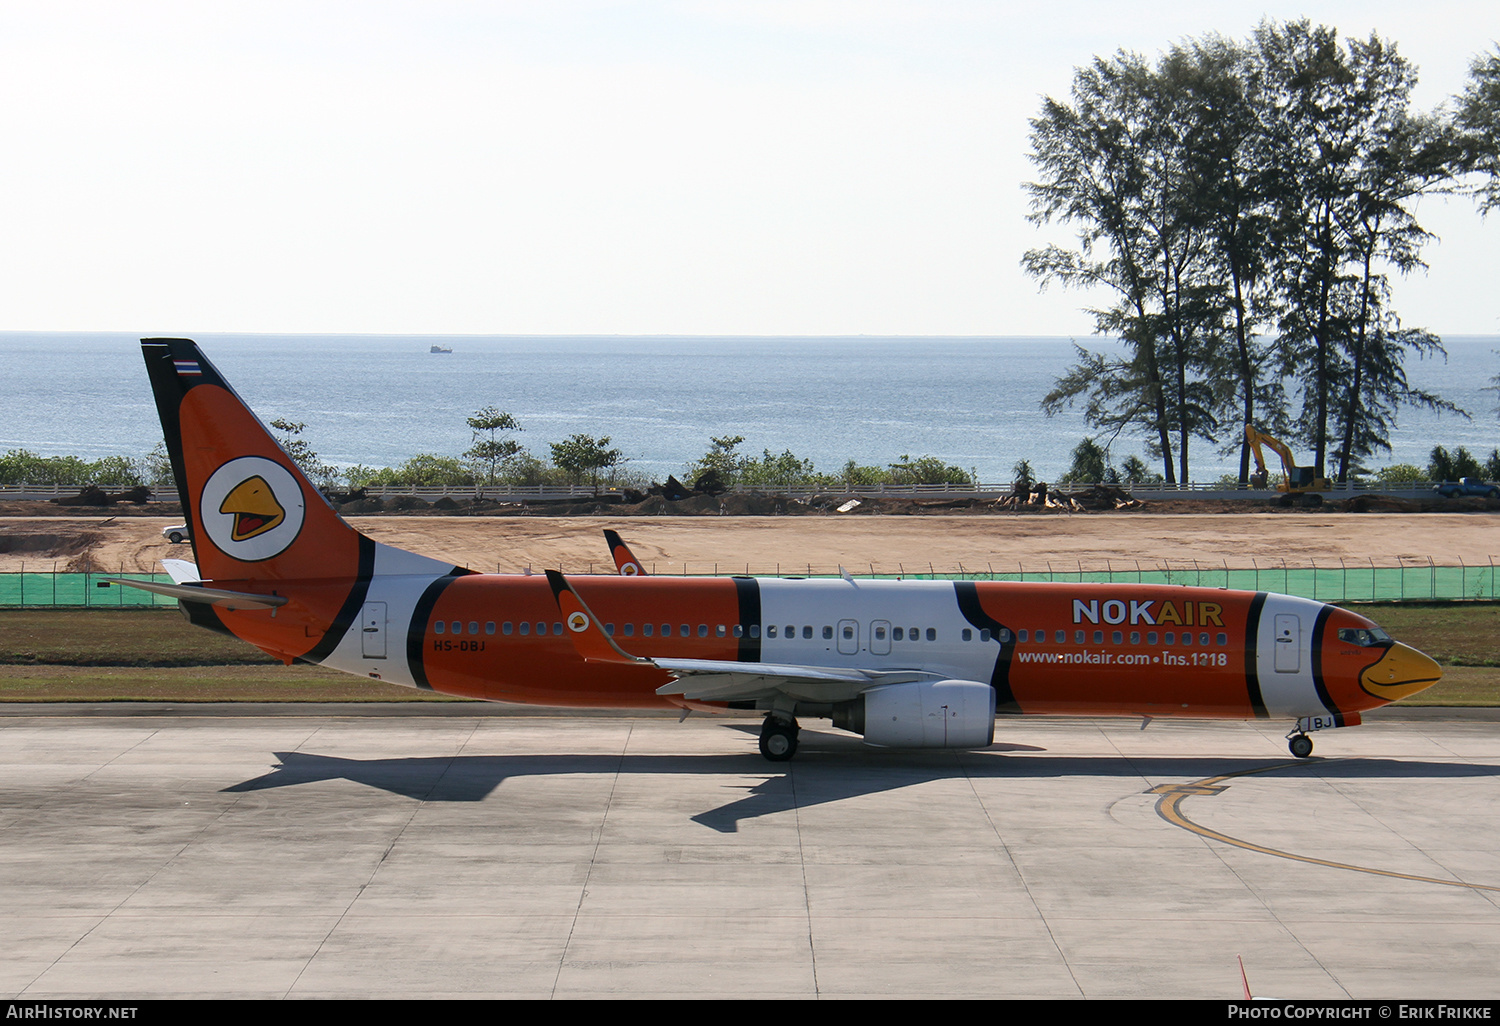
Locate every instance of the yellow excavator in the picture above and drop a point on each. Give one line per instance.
(1295, 480)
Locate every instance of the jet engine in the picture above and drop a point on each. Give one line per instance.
(925, 714)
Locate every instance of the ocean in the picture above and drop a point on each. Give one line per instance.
(378, 399)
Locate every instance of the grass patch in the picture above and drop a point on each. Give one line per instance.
(117, 637)
(1453, 633)
(274, 683)
(1477, 686)
(154, 655)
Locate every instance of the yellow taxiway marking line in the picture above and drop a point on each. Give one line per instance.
(1169, 808)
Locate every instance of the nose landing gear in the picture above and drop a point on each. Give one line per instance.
(1300, 744)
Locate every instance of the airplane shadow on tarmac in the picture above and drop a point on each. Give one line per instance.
(822, 772)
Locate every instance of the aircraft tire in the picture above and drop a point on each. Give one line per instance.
(778, 741)
(1301, 746)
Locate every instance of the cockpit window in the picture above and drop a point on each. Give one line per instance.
(1368, 637)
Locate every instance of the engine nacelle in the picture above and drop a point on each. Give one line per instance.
(925, 714)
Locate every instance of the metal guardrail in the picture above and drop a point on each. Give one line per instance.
(1414, 580)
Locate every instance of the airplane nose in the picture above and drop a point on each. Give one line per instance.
(1400, 672)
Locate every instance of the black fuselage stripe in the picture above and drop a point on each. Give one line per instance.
(1317, 663)
(967, 593)
(349, 612)
(747, 593)
(416, 632)
(1252, 657)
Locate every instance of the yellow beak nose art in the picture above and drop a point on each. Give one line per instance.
(1400, 672)
(254, 507)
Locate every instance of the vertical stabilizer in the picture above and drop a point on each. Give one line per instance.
(259, 527)
(253, 514)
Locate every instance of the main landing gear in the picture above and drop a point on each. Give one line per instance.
(778, 738)
(1300, 744)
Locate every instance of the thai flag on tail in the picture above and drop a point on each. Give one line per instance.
(187, 368)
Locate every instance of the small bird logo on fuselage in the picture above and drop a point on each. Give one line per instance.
(254, 508)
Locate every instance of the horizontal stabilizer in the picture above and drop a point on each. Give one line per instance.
(181, 571)
(198, 593)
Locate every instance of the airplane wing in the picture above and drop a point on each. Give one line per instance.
(715, 680)
(712, 680)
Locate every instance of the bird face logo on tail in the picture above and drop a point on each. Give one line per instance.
(252, 508)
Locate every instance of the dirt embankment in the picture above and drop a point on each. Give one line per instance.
(946, 541)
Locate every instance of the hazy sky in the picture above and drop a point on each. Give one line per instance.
(590, 167)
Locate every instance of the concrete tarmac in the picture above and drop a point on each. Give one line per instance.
(359, 856)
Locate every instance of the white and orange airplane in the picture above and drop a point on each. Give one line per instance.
(908, 664)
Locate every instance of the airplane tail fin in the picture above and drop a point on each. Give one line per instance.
(252, 514)
(625, 562)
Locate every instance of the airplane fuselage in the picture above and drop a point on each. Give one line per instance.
(1061, 649)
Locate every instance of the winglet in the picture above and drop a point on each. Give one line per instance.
(589, 636)
(625, 562)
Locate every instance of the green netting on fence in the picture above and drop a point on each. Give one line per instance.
(1414, 583)
(63, 589)
(1424, 583)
